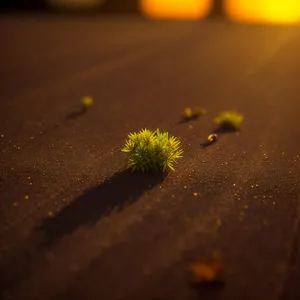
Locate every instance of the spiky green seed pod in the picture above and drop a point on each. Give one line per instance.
(152, 150)
(229, 120)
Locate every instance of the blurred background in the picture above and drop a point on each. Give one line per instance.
(253, 11)
(143, 73)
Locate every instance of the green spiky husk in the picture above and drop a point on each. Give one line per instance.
(229, 120)
(152, 150)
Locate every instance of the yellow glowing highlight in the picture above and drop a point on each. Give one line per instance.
(264, 11)
(175, 9)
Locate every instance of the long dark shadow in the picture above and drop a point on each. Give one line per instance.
(185, 120)
(113, 195)
(223, 130)
(209, 290)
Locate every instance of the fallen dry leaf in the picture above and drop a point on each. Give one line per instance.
(209, 271)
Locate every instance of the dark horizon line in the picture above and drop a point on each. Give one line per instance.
(111, 6)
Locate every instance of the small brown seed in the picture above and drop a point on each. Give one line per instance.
(212, 138)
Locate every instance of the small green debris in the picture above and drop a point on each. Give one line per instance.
(87, 102)
(190, 113)
(229, 120)
(152, 150)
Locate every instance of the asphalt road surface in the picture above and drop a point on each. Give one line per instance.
(76, 225)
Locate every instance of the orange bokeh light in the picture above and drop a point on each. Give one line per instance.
(175, 9)
(264, 11)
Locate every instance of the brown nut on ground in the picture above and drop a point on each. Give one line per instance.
(212, 138)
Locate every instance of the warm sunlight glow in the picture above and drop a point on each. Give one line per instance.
(264, 11)
(175, 9)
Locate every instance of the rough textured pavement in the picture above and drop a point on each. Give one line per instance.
(75, 225)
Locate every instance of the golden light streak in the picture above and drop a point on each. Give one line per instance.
(264, 11)
(175, 9)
